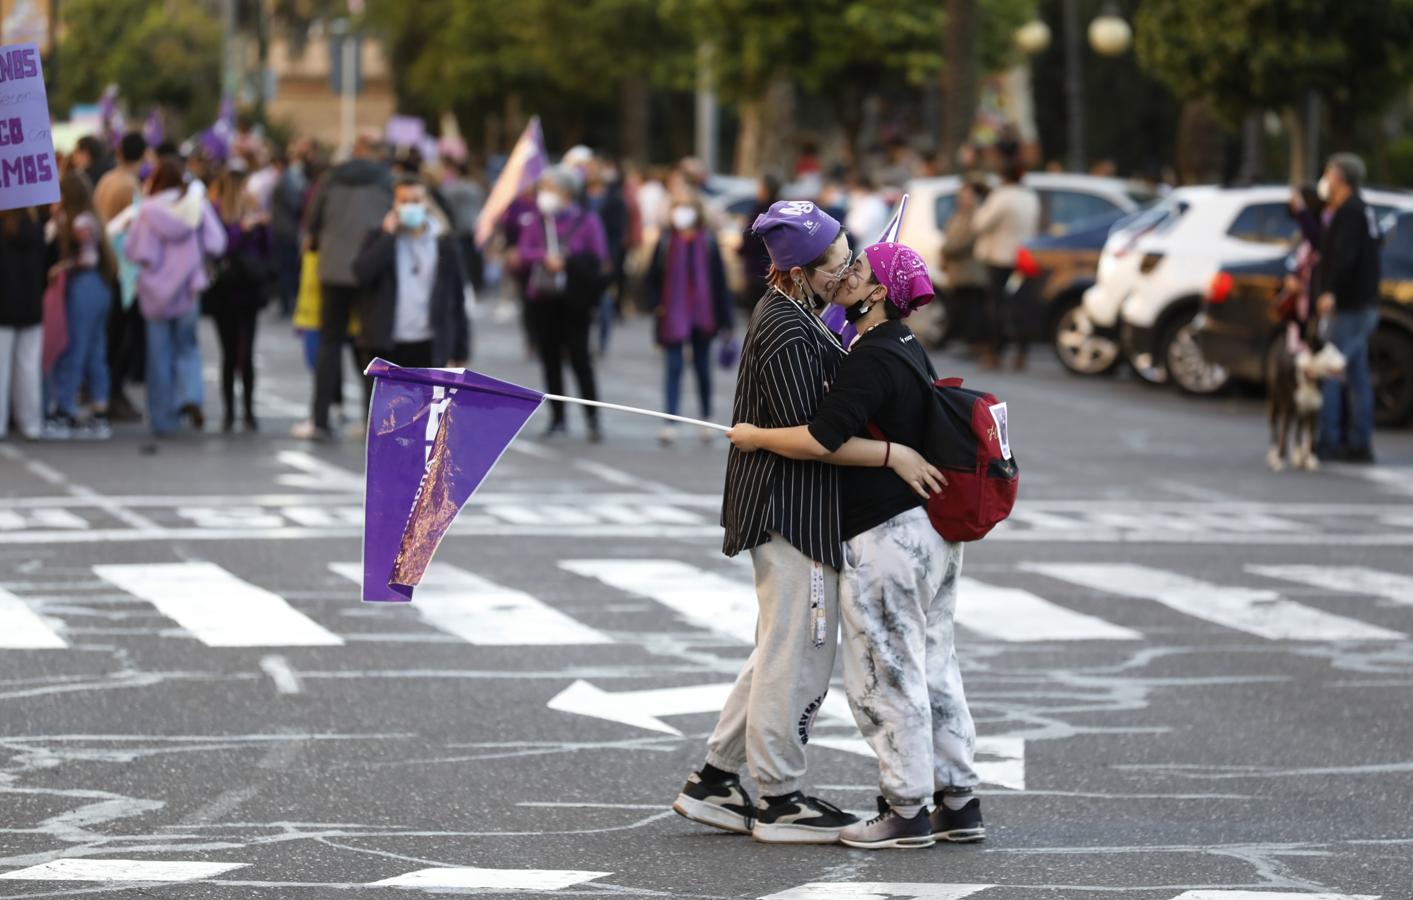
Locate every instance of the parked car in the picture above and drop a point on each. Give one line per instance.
(1065, 200)
(1153, 293)
(1239, 327)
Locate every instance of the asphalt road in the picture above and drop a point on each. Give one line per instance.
(1193, 678)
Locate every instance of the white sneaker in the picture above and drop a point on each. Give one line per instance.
(304, 431)
(667, 435)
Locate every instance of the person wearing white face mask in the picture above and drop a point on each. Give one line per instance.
(686, 288)
(413, 311)
(566, 255)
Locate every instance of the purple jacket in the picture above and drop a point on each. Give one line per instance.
(580, 228)
(169, 241)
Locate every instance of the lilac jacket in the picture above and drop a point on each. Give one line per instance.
(169, 240)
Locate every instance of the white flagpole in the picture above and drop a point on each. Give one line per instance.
(641, 412)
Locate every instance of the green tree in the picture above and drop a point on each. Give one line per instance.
(166, 54)
(1246, 56)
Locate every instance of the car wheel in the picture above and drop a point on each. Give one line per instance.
(1391, 365)
(1188, 368)
(1081, 347)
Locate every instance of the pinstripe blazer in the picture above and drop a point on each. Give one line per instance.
(788, 362)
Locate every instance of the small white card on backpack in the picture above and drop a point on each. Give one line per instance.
(998, 413)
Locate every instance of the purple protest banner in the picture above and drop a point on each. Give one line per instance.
(433, 437)
(406, 131)
(29, 175)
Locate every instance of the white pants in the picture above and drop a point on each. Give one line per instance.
(897, 600)
(22, 379)
(768, 715)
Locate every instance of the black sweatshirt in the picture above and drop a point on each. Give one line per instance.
(1349, 257)
(875, 385)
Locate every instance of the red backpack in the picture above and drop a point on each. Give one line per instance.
(967, 439)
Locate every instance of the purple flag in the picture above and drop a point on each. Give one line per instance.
(833, 317)
(433, 436)
(152, 130)
(28, 174)
(527, 160)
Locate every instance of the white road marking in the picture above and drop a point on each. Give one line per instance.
(503, 879)
(219, 609)
(702, 598)
(640, 709)
(316, 474)
(1269, 895)
(1000, 761)
(280, 672)
(1263, 613)
(21, 628)
(1345, 579)
(877, 890)
(478, 611)
(120, 870)
(1009, 614)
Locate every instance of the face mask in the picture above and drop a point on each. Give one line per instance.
(548, 202)
(683, 217)
(812, 296)
(1323, 188)
(859, 309)
(412, 216)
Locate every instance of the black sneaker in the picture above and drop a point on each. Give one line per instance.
(958, 826)
(1359, 455)
(726, 805)
(797, 819)
(888, 830)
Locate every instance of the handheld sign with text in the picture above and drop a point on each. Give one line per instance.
(28, 174)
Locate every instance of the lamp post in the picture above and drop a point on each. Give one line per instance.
(1109, 35)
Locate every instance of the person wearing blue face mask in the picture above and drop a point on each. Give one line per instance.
(413, 310)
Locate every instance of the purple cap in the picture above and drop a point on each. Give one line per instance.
(902, 271)
(796, 232)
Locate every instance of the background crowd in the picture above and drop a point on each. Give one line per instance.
(376, 255)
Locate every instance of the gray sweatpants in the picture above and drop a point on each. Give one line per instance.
(897, 600)
(767, 718)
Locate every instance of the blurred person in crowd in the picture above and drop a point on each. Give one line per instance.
(686, 288)
(900, 164)
(1293, 304)
(1347, 275)
(565, 253)
(807, 162)
(351, 200)
(116, 199)
(867, 210)
(652, 201)
(1104, 168)
(264, 174)
(755, 257)
(519, 215)
(413, 311)
(465, 196)
(603, 196)
(173, 235)
(286, 208)
(239, 290)
(24, 274)
(1008, 218)
(92, 158)
(967, 278)
(86, 260)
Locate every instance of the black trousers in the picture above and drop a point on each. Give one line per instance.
(561, 328)
(127, 346)
(235, 325)
(336, 305)
(1000, 318)
(416, 355)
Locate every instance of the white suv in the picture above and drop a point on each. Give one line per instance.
(1150, 289)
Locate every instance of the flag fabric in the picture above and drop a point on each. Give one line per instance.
(527, 160)
(152, 130)
(433, 437)
(833, 317)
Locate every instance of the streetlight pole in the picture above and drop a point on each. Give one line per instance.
(348, 85)
(707, 115)
(1074, 86)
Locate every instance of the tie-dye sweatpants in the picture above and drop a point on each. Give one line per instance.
(897, 602)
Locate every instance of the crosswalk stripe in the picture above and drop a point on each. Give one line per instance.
(1345, 579)
(703, 598)
(478, 611)
(1009, 614)
(877, 890)
(501, 879)
(21, 628)
(218, 608)
(120, 870)
(1263, 613)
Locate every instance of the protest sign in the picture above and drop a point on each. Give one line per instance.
(28, 173)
